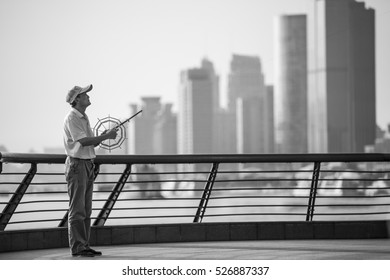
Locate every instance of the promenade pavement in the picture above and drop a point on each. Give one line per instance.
(367, 249)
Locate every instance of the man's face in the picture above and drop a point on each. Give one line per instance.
(84, 99)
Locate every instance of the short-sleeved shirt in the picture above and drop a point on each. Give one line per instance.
(76, 127)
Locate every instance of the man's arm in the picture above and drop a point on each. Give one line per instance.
(96, 140)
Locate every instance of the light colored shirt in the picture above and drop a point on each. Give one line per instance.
(76, 127)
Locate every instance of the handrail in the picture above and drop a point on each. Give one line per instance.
(225, 191)
(199, 158)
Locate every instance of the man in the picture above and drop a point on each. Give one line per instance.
(79, 143)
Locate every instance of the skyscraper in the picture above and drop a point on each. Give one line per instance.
(143, 129)
(196, 111)
(246, 79)
(250, 135)
(291, 84)
(208, 65)
(165, 136)
(247, 106)
(225, 135)
(165, 140)
(269, 123)
(341, 76)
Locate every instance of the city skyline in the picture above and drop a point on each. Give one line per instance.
(45, 53)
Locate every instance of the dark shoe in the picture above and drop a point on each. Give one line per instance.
(83, 253)
(96, 253)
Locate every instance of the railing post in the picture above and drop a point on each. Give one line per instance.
(13, 203)
(64, 221)
(206, 194)
(110, 202)
(313, 191)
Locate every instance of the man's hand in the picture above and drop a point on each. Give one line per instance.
(110, 133)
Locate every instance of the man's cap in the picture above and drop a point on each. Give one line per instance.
(75, 91)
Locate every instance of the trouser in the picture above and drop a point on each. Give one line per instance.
(79, 175)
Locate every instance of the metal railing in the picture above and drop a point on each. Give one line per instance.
(135, 189)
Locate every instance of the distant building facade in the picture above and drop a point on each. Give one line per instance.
(249, 122)
(154, 131)
(195, 117)
(251, 126)
(291, 84)
(216, 109)
(269, 120)
(341, 76)
(165, 140)
(225, 134)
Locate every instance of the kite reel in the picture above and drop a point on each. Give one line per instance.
(108, 123)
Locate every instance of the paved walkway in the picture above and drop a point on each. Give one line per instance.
(371, 249)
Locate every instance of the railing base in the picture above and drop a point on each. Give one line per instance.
(136, 234)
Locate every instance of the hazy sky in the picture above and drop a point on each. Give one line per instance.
(128, 49)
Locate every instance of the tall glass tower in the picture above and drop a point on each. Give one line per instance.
(248, 106)
(196, 111)
(291, 84)
(342, 115)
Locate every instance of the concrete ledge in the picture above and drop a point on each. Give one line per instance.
(135, 234)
